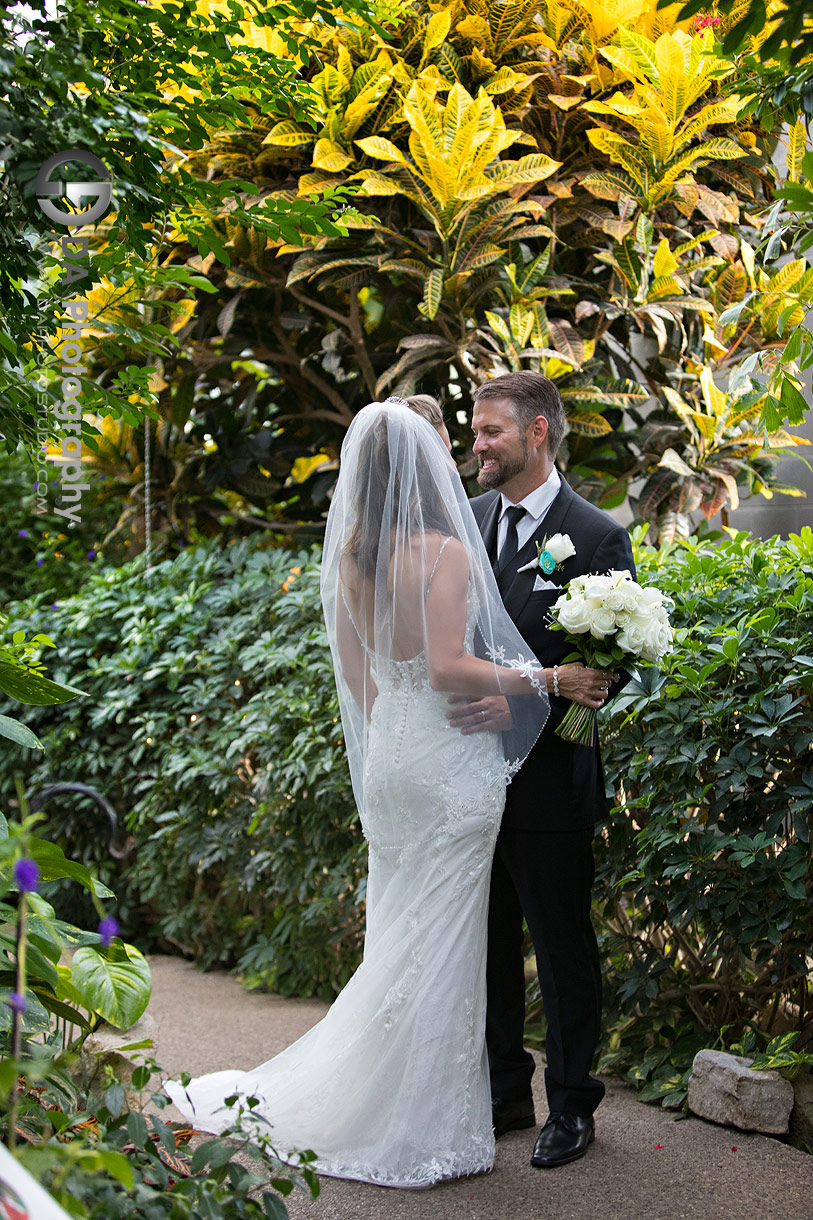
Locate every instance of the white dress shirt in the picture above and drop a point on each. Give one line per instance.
(536, 505)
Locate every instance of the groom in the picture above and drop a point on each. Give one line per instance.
(543, 867)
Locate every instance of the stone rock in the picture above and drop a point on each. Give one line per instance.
(105, 1047)
(801, 1119)
(723, 1089)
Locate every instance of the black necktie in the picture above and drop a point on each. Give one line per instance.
(511, 544)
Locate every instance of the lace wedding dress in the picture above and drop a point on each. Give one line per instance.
(391, 1087)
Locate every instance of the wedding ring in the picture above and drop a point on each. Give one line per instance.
(482, 713)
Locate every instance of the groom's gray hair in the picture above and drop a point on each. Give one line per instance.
(531, 394)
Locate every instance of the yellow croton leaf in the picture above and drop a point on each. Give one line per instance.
(712, 342)
(330, 157)
(713, 396)
(747, 256)
(605, 18)
(382, 149)
(564, 103)
(664, 262)
(437, 27)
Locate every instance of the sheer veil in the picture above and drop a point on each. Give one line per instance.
(407, 584)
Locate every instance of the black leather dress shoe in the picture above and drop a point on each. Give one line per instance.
(512, 1115)
(564, 1138)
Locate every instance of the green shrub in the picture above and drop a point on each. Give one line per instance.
(211, 723)
(704, 880)
(246, 850)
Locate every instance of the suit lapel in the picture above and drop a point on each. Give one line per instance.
(516, 587)
(488, 528)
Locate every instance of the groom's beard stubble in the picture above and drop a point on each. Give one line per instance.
(504, 470)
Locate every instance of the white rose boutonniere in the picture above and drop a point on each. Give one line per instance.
(551, 554)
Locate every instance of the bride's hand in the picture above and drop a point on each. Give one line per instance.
(490, 714)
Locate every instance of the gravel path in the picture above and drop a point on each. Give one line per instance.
(643, 1165)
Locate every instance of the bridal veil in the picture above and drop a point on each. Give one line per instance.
(399, 513)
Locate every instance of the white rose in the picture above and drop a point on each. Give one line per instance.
(651, 633)
(616, 600)
(631, 639)
(651, 597)
(574, 615)
(657, 641)
(597, 587)
(560, 547)
(602, 623)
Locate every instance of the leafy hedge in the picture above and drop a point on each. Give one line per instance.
(211, 724)
(704, 888)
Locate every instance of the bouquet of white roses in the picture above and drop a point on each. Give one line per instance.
(611, 619)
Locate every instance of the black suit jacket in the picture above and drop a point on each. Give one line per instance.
(560, 785)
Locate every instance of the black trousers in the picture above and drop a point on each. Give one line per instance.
(547, 877)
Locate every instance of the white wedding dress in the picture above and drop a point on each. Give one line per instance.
(391, 1087)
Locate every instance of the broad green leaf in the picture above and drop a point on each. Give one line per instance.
(33, 688)
(20, 733)
(114, 983)
(54, 864)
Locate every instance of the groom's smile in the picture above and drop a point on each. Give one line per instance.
(499, 445)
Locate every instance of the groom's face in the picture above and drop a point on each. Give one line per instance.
(499, 444)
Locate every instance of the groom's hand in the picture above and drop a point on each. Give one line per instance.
(488, 715)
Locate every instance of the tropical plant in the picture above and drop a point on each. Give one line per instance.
(128, 82)
(99, 1154)
(617, 221)
(704, 882)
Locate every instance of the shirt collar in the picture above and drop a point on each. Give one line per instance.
(537, 502)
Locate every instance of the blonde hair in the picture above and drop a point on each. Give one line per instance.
(427, 407)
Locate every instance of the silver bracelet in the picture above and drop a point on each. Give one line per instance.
(556, 679)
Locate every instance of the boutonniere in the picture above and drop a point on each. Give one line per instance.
(550, 554)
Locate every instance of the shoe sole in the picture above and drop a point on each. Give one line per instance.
(568, 1160)
(517, 1124)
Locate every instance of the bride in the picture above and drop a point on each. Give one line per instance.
(391, 1087)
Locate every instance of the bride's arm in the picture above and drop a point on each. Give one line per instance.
(353, 660)
(450, 667)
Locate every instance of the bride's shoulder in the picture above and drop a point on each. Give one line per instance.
(451, 550)
(434, 541)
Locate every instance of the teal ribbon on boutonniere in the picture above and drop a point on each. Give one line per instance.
(551, 554)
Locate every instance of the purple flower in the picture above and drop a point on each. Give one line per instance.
(108, 928)
(16, 1002)
(22, 533)
(91, 554)
(27, 876)
(54, 605)
(40, 562)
